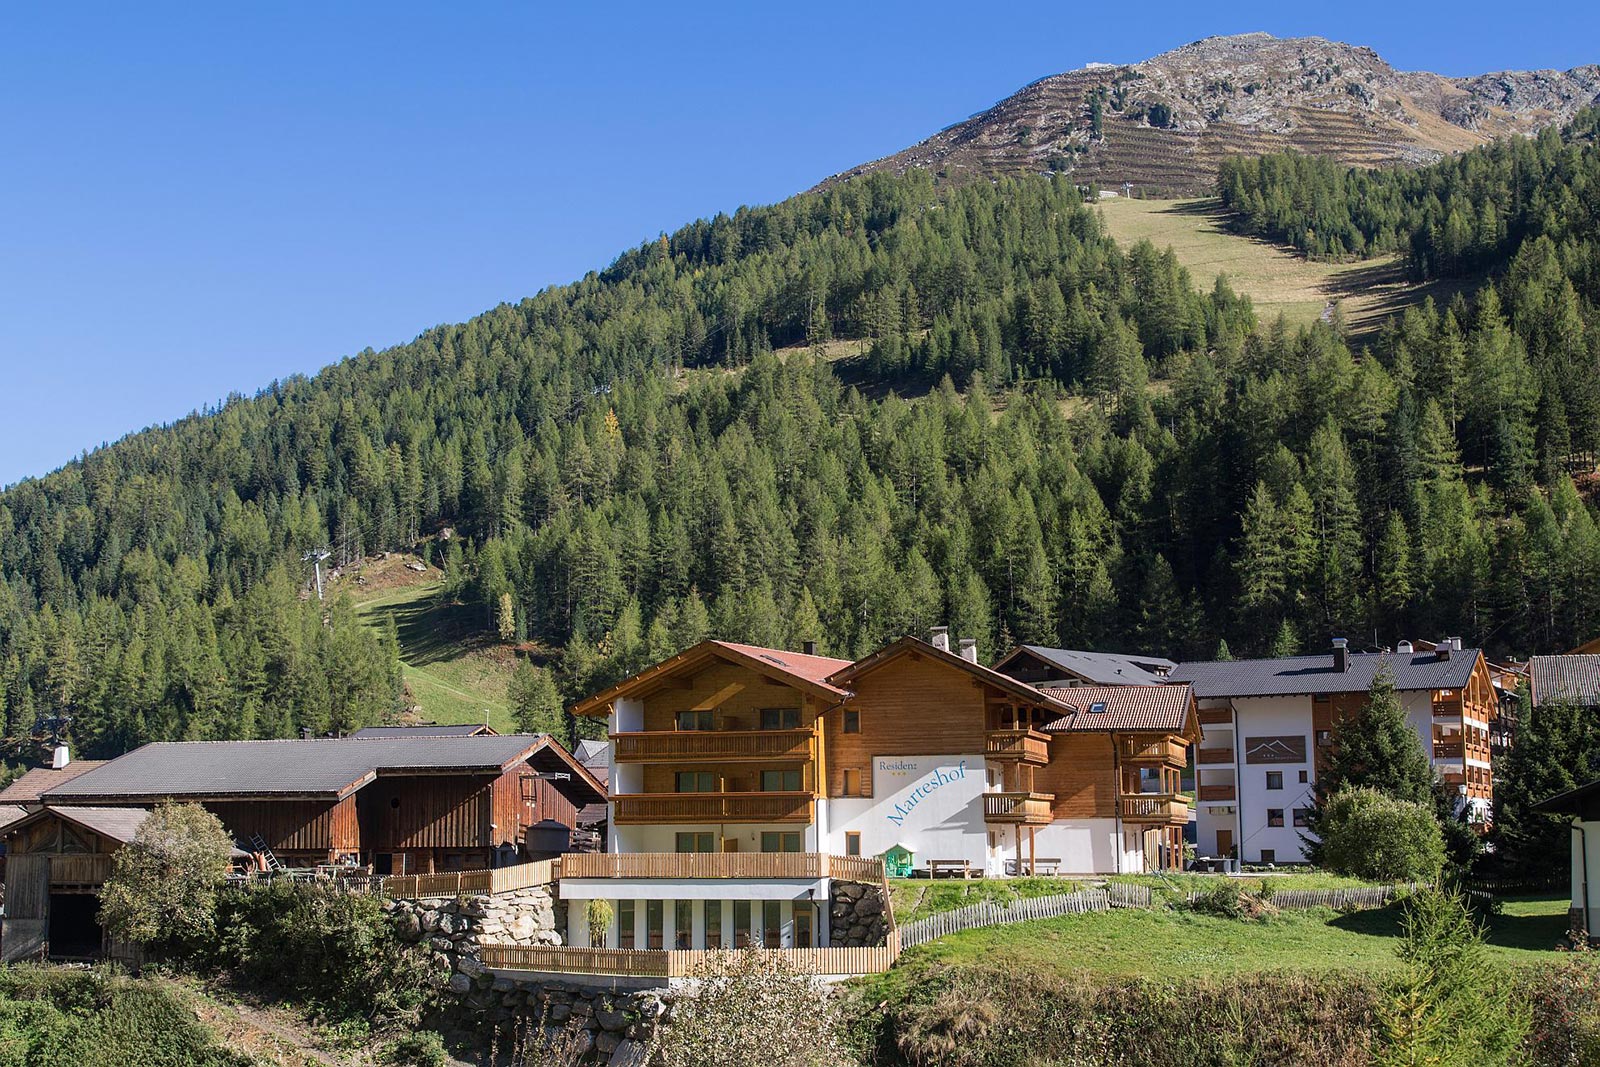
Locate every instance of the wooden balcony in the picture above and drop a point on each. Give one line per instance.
(1166, 750)
(720, 865)
(1029, 746)
(1030, 809)
(1167, 808)
(664, 964)
(1213, 756)
(1216, 716)
(1215, 793)
(635, 809)
(668, 746)
(1448, 750)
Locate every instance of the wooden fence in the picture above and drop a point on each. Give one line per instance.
(987, 913)
(676, 963)
(1339, 899)
(448, 884)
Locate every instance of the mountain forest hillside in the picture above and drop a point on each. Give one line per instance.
(1165, 124)
(665, 450)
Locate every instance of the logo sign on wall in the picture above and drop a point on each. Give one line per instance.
(928, 783)
(1288, 749)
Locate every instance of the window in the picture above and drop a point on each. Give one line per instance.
(852, 782)
(1324, 738)
(1269, 855)
(695, 782)
(697, 842)
(683, 924)
(1274, 816)
(1303, 778)
(852, 844)
(802, 925)
(780, 718)
(624, 924)
(694, 720)
(713, 924)
(772, 923)
(654, 920)
(1274, 779)
(741, 924)
(780, 781)
(852, 722)
(780, 841)
(1302, 816)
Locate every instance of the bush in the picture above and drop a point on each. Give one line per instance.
(753, 1007)
(162, 890)
(338, 953)
(1228, 900)
(1367, 834)
(424, 1048)
(1564, 1013)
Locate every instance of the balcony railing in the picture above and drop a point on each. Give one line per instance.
(1214, 755)
(1217, 792)
(722, 745)
(650, 808)
(1028, 808)
(664, 964)
(719, 865)
(1158, 750)
(1030, 746)
(1447, 750)
(1155, 807)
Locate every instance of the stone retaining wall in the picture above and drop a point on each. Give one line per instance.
(857, 917)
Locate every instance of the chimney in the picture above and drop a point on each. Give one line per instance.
(1341, 654)
(1404, 648)
(1442, 649)
(810, 648)
(1455, 644)
(939, 637)
(969, 649)
(60, 757)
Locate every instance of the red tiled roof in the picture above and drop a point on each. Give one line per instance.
(1156, 708)
(814, 669)
(31, 786)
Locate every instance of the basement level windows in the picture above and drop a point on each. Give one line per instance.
(697, 842)
(694, 782)
(694, 720)
(852, 843)
(780, 718)
(625, 924)
(713, 924)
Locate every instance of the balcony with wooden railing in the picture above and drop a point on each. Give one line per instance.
(1451, 750)
(1029, 809)
(1169, 808)
(645, 865)
(1029, 746)
(1213, 756)
(635, 809)
(666, 746)
(1215, 793)
(1216, 716)
(1168, 750)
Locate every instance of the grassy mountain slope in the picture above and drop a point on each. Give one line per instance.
(1166, 123)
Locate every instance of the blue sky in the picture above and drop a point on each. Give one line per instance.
(199, 201)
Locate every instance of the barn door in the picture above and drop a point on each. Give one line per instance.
(27, 920)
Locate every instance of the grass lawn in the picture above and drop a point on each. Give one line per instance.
(1288, 880)
(917, 898)
(1276, 279)
(1175, 943)
(450, 667)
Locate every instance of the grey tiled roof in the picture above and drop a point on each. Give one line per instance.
(1156, 708)
(1106, 668)
(467, 729)
(1298, 675)
(119, 824)
(324, 767)
(40, 780)
(1565, 679)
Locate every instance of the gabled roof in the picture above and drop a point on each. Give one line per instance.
(809, 674)
(32, 785)
(1100, 668)
(330, 768)
(1569, 679)
(10, 813)
(1583, 801)
(119, 824)
(466, 729)
(586, 786)
(913, 646)
(596, 756)
(1167, 709)
(1303, 675)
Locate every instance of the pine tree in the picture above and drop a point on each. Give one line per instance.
(535, 701)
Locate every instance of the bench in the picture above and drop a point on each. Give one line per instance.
(1041, 866)
(952, 869)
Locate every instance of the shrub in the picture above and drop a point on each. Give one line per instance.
(598, 913)
(422, 1048)
(162, 890)
(337, 952)
(1367, 834)
(1564, 1013)
(1228, 900)
(753, 1007)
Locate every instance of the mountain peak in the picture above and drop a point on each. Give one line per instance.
(1164, 123)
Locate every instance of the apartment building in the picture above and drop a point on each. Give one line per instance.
(1268, 722)
(744, 780)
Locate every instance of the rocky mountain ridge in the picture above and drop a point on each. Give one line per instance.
(1165, 123)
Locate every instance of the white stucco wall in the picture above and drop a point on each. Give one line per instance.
(1592, 831)
(1258, 717)
(929, 804)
